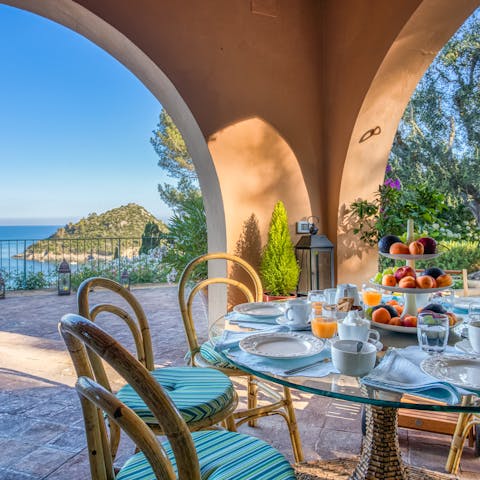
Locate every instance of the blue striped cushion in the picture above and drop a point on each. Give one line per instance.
(211, 356)
(198, 393)
(222, 456)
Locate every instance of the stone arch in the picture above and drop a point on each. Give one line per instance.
(83, 21)
(410, 54)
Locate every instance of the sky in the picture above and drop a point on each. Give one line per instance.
(75, 126)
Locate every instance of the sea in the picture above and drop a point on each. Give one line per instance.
(15, 238)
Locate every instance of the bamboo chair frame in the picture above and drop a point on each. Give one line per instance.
(140, 331)
(282, 404)
(79, 333)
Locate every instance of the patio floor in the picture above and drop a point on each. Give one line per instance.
(41, 430)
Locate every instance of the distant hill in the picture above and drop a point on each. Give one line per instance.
(124, 222)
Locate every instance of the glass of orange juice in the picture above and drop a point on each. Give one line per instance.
(371, 296)
(324, 324)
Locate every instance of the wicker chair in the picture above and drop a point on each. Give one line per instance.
(205, 356)
(199, 455)
(202, 399)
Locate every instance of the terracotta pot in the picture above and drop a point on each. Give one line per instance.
(271, 298)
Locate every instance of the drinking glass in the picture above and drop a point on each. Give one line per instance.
(473, 309)
(317, 299)
(330, 295)
(371, 296)
(446, 298)
(324, 325)
(432, 332)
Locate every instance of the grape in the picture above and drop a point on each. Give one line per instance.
(388, 271)
(378, 278)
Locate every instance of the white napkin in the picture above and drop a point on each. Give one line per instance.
(399, 371)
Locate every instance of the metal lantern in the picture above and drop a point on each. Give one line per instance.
(315, 257)
(2, 287)
(125, 280)
(64, 281)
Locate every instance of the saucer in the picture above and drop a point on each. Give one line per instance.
(465, 347)
(293, 328)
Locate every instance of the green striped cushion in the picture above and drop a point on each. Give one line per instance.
(222, 456)
(211, 356)
(198, 393)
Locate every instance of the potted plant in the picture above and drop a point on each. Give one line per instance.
(279, 269)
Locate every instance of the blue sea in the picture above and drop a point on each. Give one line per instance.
(15, 238)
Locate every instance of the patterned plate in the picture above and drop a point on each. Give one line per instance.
(260, 309)
(460, 370)
(282, 345)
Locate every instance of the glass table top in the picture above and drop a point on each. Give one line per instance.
(343, 386)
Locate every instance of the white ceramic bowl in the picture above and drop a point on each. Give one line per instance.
(347, 361)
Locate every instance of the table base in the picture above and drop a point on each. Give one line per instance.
(380, 458)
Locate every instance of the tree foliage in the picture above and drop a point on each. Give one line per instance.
(176, 161)
(438, 138)
(279, 268)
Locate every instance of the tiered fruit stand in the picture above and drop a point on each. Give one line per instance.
(410, 294)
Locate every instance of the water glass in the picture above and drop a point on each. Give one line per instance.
(317, 299)
(432, 331)
(473, 309)
(330, 295)
(446, 298)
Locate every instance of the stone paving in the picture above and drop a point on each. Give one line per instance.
(41, 430)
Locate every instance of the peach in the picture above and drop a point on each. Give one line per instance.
(389, 280)
(409, 321)
(398, 248)
(407, 282)
(426, 281)
(395, 321)
(416, 248)
(444, 280)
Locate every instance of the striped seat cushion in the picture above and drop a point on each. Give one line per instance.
(222, 456)
(198, 393)
(211, 356)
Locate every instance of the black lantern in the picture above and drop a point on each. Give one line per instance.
(2, 287)
(315, 257)
(64, 281)
(125, 280)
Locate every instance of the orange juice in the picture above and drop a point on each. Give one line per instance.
(371, 297)
(317, 307)
(324, 327)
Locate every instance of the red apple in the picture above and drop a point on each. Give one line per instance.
(429, 244)
(404, 272)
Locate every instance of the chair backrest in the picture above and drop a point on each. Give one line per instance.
(79, 333)
(185, 300)
(138, 325)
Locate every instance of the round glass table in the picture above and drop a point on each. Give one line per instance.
(380, 457)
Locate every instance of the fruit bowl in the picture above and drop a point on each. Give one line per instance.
(408, 290)
(404, 256)
(410, 330)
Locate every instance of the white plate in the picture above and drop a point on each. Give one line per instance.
(260, 309)
(413, 330)
(402, 256)
(460, 370)
(409, 290)
(281, 345)
(464, 346)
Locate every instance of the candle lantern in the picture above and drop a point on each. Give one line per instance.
(315, 257)
(125, 280)
(2, 287)
(64, 281)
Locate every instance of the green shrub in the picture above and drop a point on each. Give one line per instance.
(279, 268)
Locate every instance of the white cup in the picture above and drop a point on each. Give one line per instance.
(360, 331)
(474, 335)
(348, 361)
(297, 313)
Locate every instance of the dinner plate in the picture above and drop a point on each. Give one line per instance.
(281, 345)
(260, 309)
(459, 370)
(412, 330)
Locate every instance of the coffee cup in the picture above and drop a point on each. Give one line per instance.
(474, 335)
(360, 332)
(353, 358)
(297, 313)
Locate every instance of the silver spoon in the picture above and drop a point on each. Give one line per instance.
(359, 346)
